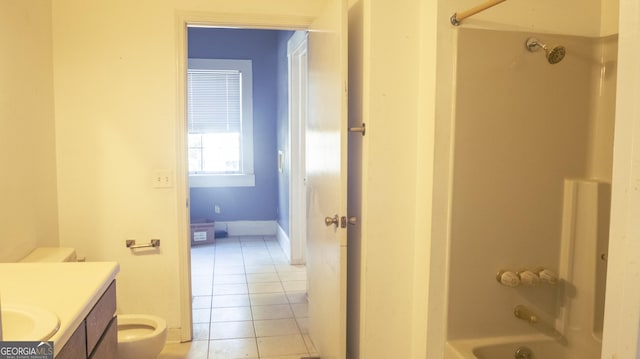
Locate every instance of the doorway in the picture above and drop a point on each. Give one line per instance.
(327, 126)
(246, 295)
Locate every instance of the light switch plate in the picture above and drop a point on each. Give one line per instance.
(280, 161)
(162, 179)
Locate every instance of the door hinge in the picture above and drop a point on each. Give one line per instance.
(362, 129)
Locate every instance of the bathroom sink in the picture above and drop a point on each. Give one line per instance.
(29, 323)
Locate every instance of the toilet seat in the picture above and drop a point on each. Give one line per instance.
(140, 336)
(144, 326)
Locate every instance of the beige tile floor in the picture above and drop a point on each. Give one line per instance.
(248, 302)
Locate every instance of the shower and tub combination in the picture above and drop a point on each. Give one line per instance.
(576, 331)
(533, 142)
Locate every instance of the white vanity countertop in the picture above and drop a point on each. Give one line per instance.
(68, 289)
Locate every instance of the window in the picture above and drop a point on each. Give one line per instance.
(220, 123)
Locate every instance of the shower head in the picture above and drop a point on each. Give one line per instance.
(554, 54)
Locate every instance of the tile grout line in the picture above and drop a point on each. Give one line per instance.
(245, 253)
(253, 322)
(213, 278)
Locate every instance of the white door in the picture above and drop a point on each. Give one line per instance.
(326, 171)
(298, 86)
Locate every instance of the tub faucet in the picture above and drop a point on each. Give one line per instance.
(524, 313)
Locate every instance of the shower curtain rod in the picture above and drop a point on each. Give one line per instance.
(456, 18)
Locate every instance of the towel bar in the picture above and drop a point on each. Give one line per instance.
(131, 244)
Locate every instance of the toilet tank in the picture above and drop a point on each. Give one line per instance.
(51, 254)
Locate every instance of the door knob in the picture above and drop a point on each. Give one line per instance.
(331, 221)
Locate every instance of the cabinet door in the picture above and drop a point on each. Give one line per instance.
(100, 317)
(76, 345)
(107, 347)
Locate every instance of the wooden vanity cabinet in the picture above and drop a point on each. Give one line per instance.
(107, 347)
(97, 336)
(76, 345)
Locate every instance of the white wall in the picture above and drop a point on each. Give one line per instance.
(116, 120)
(28, 210)
(622, 307)
(395, 189)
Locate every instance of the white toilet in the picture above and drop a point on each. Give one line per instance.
(50, 254)
(139, 336)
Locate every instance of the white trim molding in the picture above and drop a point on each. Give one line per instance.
(622, 303)
(274, 15)
(248, 228)
(285, 243)
(224, 180)
(298, 80)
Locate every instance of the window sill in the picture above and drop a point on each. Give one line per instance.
(235, 180)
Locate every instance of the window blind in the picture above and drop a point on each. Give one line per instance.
(214, 101)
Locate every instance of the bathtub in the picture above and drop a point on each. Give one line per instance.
(541, 346)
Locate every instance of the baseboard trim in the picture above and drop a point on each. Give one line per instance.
(174, 335)
(248, 228)
(285, 242)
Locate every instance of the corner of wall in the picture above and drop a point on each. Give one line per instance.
(285, 242)
(27, 135)
(609, 17)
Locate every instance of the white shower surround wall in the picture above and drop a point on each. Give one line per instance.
(577, 329)
(521, 127)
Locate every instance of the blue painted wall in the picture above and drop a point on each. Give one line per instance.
(246, 203)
